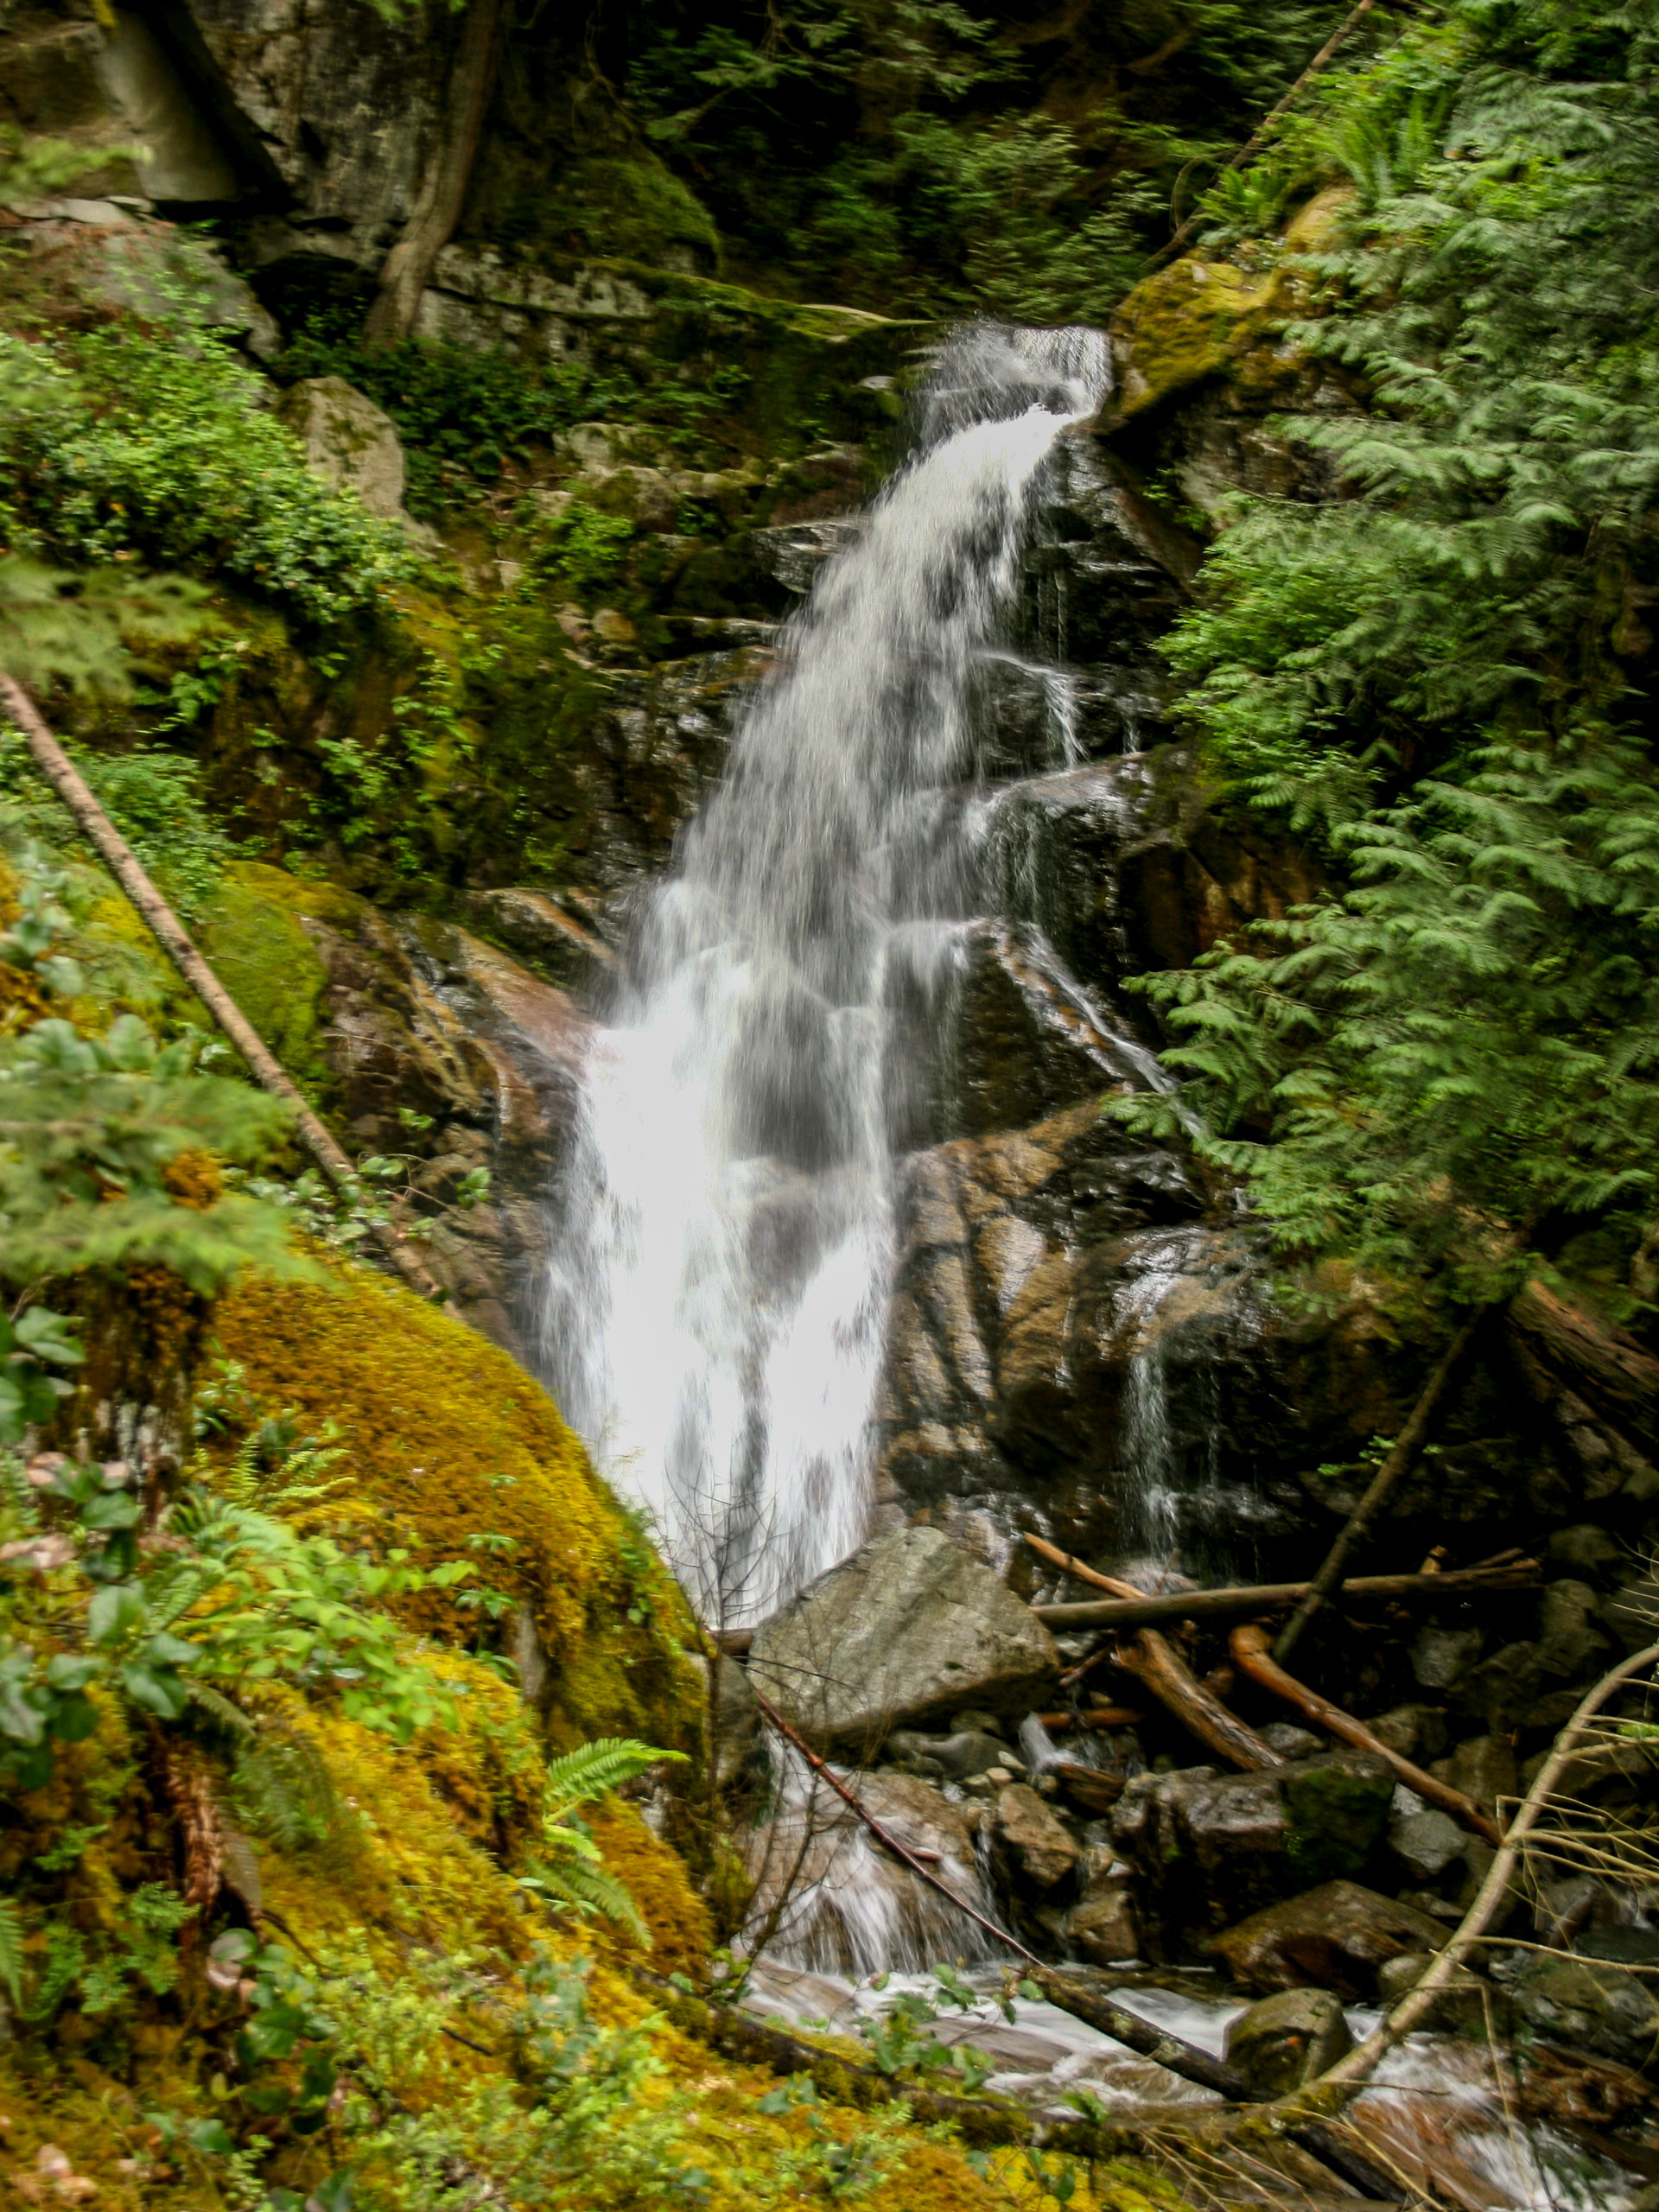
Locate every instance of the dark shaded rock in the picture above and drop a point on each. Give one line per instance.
(1584, 2004)
(1210, 1848)
(1335, 1937)
(1483, 1768)
(1040, 1847)
(1424, 1839)
(1290, 1741)
(1441, 1655)
(1583, 1550)
(1467, 2000)
(904, 1631)
(1571, 1643)
(1104, 1931)
(1503, 1689)
(1286, 2039)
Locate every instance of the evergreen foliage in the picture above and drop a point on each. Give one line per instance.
(1443, 675)
(937, 159)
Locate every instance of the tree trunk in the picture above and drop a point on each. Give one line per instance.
(1611, 1370)
(448, 171)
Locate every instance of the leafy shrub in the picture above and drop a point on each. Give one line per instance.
(156, 443)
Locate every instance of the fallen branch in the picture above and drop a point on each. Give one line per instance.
(1399, 1463)
(1250, 1648)
(1099, 1718)
(175, 941)
(1618, 1377)
(1270, 1597)
(1349, 2073)
(1084, 2003)
(901, 1850)
(1156, 1661)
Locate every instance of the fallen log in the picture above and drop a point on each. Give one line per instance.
(1250, 1648)
(1402, 1459)
(181, 949)
(1618, 1379)
(1155, 1661)
(1269, 1596)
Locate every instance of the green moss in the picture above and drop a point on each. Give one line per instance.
(1335, 1819)
(268, 965)
(446, 1438)
(625, 204)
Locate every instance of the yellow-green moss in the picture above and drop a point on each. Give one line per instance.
(655, 1876)
(448, 1438)
(270, 966)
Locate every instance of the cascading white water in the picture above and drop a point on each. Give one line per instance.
(717, 1300)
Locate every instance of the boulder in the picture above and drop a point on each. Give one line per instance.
(1104, 1931)
(1483, 1768)
(1039, 1844)
(1426, 1839)
(1585, 2004)
(1287, 2039)
(909, 1629)
(1334, 1937)
(1439, 1656)
(1212, 1848)
(1465, 2002)
(348, 441)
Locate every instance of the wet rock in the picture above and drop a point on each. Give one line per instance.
(1413, 1730)
(1584, 2004)
(737, 1728)
(1425, 1839)
(1287, 2039)
(1039, 1846)
(1335, 1937)
(1466, 2001)
(1483, 1768)
(906, 1631)
(958, 1757)
(1571, 1643)
(1290, 1741)
(1439, 1656)
(1105, 1929)
(1503, 1689)
(1583, 1550)
(1211, 1846)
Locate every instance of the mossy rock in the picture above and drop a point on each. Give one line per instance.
(251, 935)
(448, 1438)
(1336, 1815)
(630, 205)
(1178, 327)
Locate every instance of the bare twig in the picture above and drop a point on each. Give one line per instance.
(1270, 1597)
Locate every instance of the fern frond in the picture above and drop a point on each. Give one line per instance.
(213, 1702)
(591, 1768)
(586, 1888)
(11, 1950)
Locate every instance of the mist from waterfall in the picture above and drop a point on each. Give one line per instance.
(715, 1304)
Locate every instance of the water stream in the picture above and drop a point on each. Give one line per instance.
(717, 1303)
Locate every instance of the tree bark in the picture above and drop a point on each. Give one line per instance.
(1151, 1659)
(1249, 1650)
(1269, 1596)
(1619, 1379)
(175, 941)
(1389, 1477)
(437, 209)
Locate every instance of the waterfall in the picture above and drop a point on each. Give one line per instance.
(715, 1302)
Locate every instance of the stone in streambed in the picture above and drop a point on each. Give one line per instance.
(908, 1631)
(958, 1757)
(1289, 2039)
(1040, 1847)
(1334, 1937)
